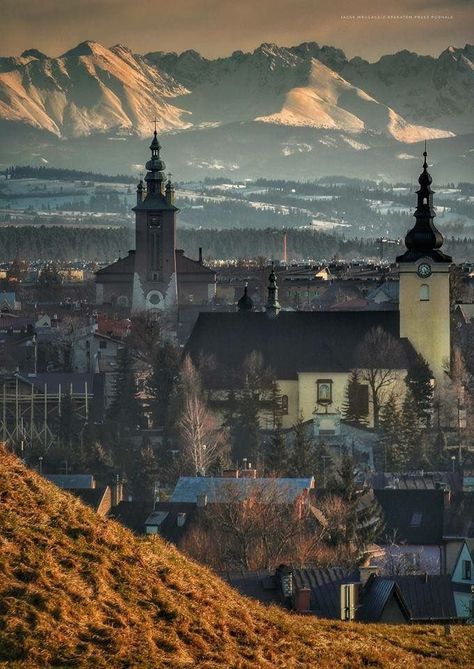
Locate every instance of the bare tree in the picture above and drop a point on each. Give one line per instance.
(203, 442)
(262, 527)
(378, 357)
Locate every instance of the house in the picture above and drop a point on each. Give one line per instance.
(359, 595)
(462, 579)
(413, 535)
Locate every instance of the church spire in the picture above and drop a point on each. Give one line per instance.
(155, 177)
(245, 303)
(424, 239)
(272, 307)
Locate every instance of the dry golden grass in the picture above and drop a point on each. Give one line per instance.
(79, 591)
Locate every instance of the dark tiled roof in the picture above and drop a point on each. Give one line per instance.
(427, 597)
(185, 265)
(294, 341)
(325, 587)
(72, 481)
(121, 266)
(377, 594)
(259, 584)
(415, 516)
(90, 496)
(459, 517)
(132, 515)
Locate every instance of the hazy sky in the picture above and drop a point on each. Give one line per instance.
(218, 27)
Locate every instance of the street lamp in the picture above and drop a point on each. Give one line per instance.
(453, 459)
(40, 461)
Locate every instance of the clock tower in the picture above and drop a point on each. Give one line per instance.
(424, 285)
(154, 279)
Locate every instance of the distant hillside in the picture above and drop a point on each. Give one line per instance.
(79, 591)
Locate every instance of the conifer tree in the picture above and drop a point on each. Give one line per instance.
(419, 383)
(302, 459)
(353, 409)
(390, 434)
(410, 435)
(166, 362)
(276, 452)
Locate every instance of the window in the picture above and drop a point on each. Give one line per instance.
(466, 570)
(103, 344)
(122, 301)
(284, 404)
(324, 391)
(416, 519)
(424, 293)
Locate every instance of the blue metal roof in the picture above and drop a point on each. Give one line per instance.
(218, 488)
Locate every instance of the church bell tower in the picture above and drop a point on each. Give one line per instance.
(424, 284)
(154, 281)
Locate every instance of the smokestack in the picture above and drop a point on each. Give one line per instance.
(302, 600)
(284, 248)
(200, 255)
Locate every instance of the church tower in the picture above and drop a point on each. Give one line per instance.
(424, 284)
(154, 281)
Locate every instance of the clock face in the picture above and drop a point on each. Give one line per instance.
(424, 270)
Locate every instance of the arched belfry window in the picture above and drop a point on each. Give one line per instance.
(424, 293)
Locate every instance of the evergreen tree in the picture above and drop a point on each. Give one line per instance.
(354, 409)
(143, 474)
(276, 453)
(246, 432)
(364, 518)
(389, 442)
(164, 374)
(409, 453)
(302, 459)
(126, 410)
(419, 382)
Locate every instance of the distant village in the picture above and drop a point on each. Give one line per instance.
(304, 429)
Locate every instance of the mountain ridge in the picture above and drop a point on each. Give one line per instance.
(92, 88)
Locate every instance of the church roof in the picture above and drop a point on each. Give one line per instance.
(294, 341)
(121, 266)
(185, 265)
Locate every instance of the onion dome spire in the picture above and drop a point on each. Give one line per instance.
(155, 177)
(272, 307)
(424, 239)
(245, 303)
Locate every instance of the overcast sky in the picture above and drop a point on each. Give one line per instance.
(218, 27)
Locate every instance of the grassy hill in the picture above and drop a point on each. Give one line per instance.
(79, 591)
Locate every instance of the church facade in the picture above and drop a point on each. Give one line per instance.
(155, 276)
(312, 354)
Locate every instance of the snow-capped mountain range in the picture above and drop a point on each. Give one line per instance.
(302, 96)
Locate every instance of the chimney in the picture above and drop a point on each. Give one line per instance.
(447, 498)
(366, 572)
(180, 519)
(230, 473)
(200, 255)
(117, 493)
(201, 501)
(302, 600)
(248, 473)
